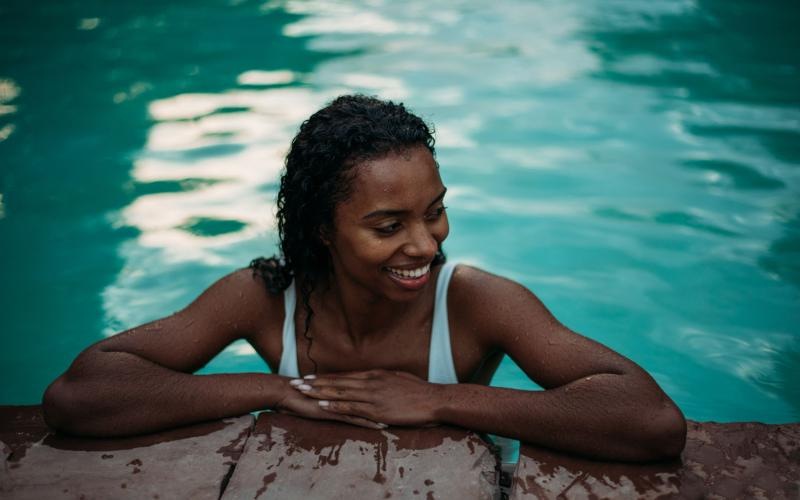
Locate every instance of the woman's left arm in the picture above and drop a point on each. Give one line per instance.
(596, 402)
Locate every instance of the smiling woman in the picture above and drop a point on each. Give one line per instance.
(390, 333)
(402, 236)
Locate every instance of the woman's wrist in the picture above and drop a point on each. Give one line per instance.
(277, 389)
(443, 395)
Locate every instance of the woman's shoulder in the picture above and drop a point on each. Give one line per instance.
(247, 279)
(484, 298)
(475, 284)
(246, 291)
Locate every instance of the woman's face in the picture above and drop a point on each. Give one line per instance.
(389, 230)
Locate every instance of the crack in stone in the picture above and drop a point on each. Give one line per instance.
(232, 467)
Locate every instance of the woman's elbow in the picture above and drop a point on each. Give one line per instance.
(68, 407)
(667, 434)
(74, 403)
(59, 406)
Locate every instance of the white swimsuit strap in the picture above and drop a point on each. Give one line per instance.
(288, 366)
(441, 369)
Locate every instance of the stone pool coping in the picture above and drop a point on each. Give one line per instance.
(278, 456)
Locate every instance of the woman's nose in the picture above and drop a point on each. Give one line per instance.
(421, 242)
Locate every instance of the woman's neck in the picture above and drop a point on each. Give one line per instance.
(361, 314)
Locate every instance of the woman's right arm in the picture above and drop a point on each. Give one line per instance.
(141, 380)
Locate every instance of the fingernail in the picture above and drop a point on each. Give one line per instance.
(304, 387)
(324, 403)
(382, 426)
(310, 377)
(296, 382)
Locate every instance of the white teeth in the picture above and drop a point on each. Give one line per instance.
(410, 273)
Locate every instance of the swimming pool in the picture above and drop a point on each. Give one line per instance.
(633, 163)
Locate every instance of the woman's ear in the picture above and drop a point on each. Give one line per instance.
(325, 236)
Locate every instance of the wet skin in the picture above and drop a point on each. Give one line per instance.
(371, 332)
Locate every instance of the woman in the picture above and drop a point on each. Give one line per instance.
(364, 307)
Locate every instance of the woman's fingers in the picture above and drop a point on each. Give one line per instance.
(345, 377)
(331, 381)
(361, 422)
(362, 375)
(390, 397)
(352, 408)
(310, 408)
(335, 393)
(338, 388)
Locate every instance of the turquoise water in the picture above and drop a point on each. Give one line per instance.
(634, 163)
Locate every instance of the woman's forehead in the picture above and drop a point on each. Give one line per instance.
(396, 177)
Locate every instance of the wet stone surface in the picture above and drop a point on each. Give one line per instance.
(736, 460)
(189, 462)
(288, 457)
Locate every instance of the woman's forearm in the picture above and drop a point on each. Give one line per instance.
(118, 393)
(604, 416)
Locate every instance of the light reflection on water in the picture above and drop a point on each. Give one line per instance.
(633, 163)
(9, 91)
(234, 143)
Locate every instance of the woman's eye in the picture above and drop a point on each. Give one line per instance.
(389, 229)
(438, 212)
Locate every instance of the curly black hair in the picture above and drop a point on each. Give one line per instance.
(318, 176)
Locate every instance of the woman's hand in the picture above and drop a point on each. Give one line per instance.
(295, 403)
(388, 397)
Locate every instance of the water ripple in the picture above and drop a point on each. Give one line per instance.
(634, 163)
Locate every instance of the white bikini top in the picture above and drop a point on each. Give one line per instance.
(441, 369)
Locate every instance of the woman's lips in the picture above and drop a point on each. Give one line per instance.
(410, 279)
(410, 273)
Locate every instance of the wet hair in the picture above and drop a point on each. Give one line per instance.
(318, 176)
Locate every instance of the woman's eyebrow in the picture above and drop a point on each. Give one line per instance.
(393, 212)
(438, 198)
